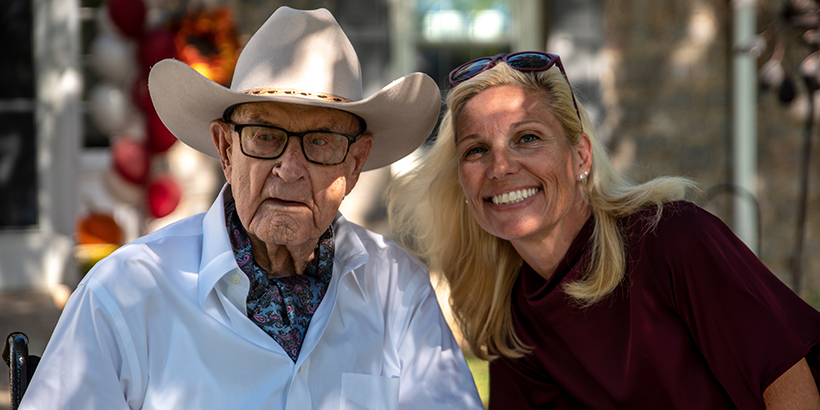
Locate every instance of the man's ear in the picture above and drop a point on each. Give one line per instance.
(221, 135)
(356, 158)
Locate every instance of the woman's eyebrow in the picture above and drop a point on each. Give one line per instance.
(524, 122)
(460, 139)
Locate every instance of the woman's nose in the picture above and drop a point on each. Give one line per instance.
(502, 163)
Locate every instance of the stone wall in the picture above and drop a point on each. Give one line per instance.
(667, 93)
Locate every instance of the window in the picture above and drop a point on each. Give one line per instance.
(18, 137)
(450, 33)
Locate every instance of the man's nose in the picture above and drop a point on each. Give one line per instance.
(292, 164)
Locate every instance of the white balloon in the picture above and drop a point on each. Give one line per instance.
(104, 23)
(135, 127)
(113, 57)
(109, 108)
(122, 190)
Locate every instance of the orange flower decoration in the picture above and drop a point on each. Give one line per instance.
(207, 41)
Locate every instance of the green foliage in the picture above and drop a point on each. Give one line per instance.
(481, 375)
(813, 299)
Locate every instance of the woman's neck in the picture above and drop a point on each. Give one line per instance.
(545, 253)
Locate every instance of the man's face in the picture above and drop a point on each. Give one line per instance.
(288, 201)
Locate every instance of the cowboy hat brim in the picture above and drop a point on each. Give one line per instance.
(400, 116)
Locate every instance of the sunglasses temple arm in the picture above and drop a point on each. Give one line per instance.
(577, 111)
(574, 101)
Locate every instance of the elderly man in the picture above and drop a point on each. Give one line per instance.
(271, 299)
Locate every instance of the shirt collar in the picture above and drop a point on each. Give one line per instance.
(218, 259)
(351, 255)
(217, 254)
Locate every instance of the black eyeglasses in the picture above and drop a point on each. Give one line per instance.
(269, 142)
(524, 61)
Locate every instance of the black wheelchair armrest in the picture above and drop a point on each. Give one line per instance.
(21, 366)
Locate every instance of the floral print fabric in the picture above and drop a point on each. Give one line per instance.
(282, 307)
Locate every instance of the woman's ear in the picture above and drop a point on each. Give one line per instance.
(583, 150)
(221, 135)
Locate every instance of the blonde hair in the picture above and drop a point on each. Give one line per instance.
(429, 216)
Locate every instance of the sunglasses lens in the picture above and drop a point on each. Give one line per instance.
(469, 70)
(529, 61)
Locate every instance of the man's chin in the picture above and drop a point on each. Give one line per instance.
(287, 230)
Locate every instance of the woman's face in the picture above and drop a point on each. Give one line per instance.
(519, 173)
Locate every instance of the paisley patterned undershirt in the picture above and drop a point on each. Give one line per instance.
(282, 307)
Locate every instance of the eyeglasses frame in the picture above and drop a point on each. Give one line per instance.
(555, 60)
(238, 129)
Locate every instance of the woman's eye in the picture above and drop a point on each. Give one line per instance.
(529, 138)
(474, 151)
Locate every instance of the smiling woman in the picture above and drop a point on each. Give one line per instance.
(561, 269)
(517, 170)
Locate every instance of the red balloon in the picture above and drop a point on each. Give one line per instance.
(131, 159)
(140, 95)
(155, 46)
(128, 16)
(163, 196)
(160, 139)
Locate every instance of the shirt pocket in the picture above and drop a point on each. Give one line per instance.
(366, 391)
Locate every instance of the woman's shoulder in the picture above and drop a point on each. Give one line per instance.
(670, 249)
(680, 223)
(677, 217)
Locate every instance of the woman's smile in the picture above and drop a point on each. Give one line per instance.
(513, 197)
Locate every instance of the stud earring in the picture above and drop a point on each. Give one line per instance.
(584, 175)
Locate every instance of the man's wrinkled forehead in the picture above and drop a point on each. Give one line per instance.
(278, 113)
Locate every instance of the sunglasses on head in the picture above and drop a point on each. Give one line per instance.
(524, 61)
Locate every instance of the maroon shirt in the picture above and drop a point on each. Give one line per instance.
(698, 323)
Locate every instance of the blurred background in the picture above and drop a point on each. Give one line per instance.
(719, 91)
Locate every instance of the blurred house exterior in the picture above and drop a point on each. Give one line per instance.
(657, 76)
(667, 91)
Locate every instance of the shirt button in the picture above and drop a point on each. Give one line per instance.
(235, 278)
(300, 370)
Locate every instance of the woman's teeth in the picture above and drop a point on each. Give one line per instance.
(513, 197)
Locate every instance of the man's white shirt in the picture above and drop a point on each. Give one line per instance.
(161, 324)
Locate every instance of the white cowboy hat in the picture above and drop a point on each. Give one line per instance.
(298, 57)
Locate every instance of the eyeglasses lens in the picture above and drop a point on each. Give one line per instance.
(470, 70)
(325, 147)
(529, 61)
(263, 141)
(319, 147)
